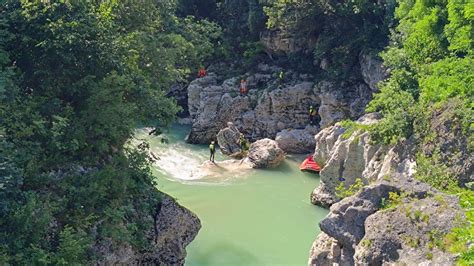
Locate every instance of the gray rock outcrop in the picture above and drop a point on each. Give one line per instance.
(341, 100)
(270, 106)
(359, 231)
(280, 41)
(262, 113)
(297, 141)
(393, 219)
(348, 157)
(372, 70)
(174, 227)
(265, 153)
(228, 140)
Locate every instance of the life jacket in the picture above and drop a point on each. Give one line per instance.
(312, 111)
(212, 147)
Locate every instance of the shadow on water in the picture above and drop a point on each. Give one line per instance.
(233, 254)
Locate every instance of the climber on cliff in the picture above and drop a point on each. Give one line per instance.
(281, 77)
(312, 115)
(202, 72)
(243, 87)
(212, 150)
(242, 142)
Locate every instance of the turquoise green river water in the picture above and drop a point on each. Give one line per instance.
(248, 216)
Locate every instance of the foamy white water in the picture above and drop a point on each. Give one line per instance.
(179, 162)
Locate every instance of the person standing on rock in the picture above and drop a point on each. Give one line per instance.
(243, 87)
(312, 115)
(212, 150)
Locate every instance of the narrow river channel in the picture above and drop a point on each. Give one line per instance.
(249, 217)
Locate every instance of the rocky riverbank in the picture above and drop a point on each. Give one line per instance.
(394, 218)
(173, 228)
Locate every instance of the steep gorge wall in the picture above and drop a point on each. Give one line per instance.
(364, 229)
(272, 106)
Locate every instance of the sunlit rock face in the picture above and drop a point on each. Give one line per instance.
(271, 105)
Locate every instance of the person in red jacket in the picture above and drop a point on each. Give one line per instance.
(243, 88)
(202, 72)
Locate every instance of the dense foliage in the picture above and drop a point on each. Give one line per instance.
(431, 58)
(75, 79)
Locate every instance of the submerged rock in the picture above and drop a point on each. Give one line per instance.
(173, 228)
(297, 140)
(228, 140)
(265, 153)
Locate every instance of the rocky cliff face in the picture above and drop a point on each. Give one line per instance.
(270, 106)
(280, 41)
(359, 231)
(349, 157)
(372, 227)
(174, 227)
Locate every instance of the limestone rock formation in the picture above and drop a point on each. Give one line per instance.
(174, 227)
(372, 70)
(270, 106)
(265, 153)
(346, 158)
(228, 140)
(358, 231)
(297, 140)
(341, 100)
(280, 41)
(262, 113)
(367, 228)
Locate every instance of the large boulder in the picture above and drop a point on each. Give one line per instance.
(228, 139)
(173, 228)
(265, 153)
(297, 140)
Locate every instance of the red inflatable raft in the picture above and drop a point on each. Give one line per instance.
(310, 165)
